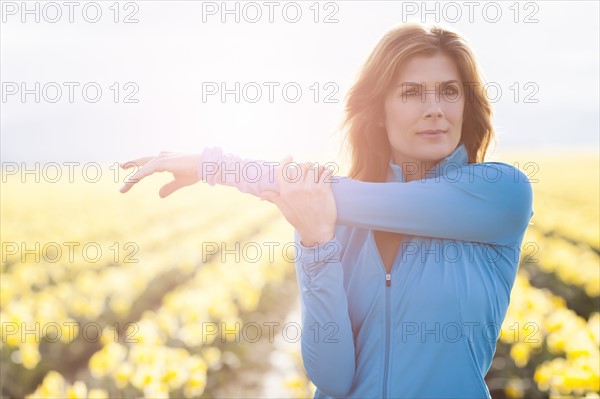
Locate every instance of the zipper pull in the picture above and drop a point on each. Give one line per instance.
(388, 280)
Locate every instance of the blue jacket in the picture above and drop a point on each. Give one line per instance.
(429, 328)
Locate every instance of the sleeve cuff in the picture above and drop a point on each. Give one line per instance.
(208, 168)
(314, 258)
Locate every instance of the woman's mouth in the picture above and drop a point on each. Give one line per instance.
(432, 133)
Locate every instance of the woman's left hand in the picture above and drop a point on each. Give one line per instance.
(184, 168)
(308, 204)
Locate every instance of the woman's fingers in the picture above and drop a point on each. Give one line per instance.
(147, 170)
(272, 196)
(136, 162)
(143, 160)
(308, 175)
(304, 174)
(316, 172)
(183, 167)
(279, 172)
(311, 174)
(325, 175)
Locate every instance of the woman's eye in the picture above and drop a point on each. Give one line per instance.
(451, 90)
(447, 91)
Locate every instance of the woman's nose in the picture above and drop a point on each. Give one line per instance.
(434, 114)
(433, 106)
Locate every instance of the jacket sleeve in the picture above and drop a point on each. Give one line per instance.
(489, 202)
(327, 340)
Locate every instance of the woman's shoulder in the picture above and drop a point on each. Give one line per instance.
(507, 183)
(496, 172)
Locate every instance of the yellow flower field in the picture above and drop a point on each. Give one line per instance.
(110, 295)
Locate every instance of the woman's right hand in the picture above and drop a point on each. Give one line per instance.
(308, 204)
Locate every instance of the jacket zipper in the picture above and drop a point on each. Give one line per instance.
(388, 284)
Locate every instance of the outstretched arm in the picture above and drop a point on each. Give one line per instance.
(489, 202)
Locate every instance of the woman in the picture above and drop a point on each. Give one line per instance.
(405, 267)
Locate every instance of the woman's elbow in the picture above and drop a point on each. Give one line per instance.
(517, 218)
(337, 386)
(332, 379)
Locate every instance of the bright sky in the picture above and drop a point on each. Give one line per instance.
(179, 53)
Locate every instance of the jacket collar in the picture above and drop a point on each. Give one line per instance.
(458, 157)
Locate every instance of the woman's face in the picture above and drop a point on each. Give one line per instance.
(427, 95)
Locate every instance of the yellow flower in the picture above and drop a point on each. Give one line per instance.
(76, 391)
(292, 381)
(123, 374)
(69, 331)
(52, 386)
(542, 376)
(594, 324)
(97, 394)
(195, 385)
(156, 390)
(519, 352)
(107, 359)
(144, 376)
(30, 355)
(514, 388)
(212, 355)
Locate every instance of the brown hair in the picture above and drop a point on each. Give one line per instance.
(369, 145)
